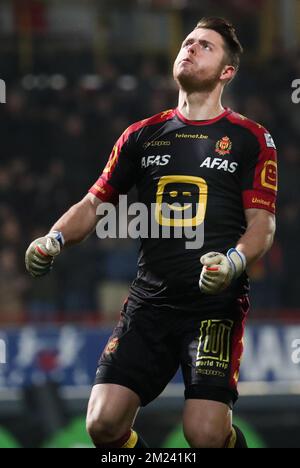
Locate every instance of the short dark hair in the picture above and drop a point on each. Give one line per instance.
(233, 47)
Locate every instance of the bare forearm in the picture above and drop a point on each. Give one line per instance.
(257, 239)
(78, 222)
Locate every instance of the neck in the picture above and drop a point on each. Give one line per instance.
(200, 105)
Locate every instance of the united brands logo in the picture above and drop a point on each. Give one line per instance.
(262, 202)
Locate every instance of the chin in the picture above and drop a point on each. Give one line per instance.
(191, 83)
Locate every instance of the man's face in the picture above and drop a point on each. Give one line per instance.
(200, 62)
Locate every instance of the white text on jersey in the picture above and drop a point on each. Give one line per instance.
(220, 164)
(155, 160)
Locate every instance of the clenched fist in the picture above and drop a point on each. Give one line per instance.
(220, 270)
(40, 254)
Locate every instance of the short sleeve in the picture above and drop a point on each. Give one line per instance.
(119, 174)
(259, 172)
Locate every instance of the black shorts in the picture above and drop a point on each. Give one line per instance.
(148, 346)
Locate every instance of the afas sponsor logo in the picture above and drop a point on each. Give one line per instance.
(155, 160)
(220, 164)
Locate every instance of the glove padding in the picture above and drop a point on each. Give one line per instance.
(40, 255)
(220, 270)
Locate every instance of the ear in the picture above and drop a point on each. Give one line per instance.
(228, 73)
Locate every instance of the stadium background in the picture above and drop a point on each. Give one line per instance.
(77, 74)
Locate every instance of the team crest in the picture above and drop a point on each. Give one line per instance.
(224, 146)
(112, 346)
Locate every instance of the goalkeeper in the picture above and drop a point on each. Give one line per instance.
(186, 308)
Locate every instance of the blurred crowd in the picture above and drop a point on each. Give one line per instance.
(55, 143)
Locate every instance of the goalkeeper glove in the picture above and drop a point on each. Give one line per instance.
(220, 270)
(40, 254)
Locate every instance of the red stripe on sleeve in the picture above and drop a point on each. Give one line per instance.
(263, 193)
(259, 200)
(104, 191)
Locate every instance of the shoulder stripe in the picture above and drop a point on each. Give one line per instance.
(102, 188)
(261, 192)
(255, 128)
(155, 119)
(113, 159)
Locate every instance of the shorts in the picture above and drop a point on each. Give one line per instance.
(149, 345)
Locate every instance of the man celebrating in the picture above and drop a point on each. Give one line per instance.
(186, 307)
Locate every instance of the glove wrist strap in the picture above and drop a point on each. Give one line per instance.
(58, 236)
(237, 261)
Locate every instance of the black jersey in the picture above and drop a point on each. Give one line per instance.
(217, 169)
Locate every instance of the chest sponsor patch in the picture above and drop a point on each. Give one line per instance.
(155, 160)
(220, 164)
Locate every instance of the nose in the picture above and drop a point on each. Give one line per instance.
(192, 48)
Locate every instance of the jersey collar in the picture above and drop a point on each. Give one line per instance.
(202, 122)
